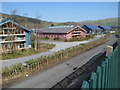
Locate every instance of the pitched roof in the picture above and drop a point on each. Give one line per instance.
(58, 29)
(55, 30)
(16, 24)
(104, 27)
(92, 27)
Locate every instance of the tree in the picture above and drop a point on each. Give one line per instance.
(25, 19)
(11, 37)
(14, 13)
(38, 25)
(52, 25)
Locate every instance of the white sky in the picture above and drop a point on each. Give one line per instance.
(59, 0)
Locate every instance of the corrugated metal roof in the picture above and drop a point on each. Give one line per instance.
(92, 27)
(59, 29)
(104, 27)
(55, 30)
(16, 24)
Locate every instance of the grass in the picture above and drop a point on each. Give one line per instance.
(17, 54)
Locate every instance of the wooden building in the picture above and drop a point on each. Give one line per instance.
(14, 36)
(62, 32)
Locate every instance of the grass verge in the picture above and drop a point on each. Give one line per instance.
(31, 51)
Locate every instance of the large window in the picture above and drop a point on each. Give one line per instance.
(5, 31)
(1, 31)
(19, 38)
(20, 45)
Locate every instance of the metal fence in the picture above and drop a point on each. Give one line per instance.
(107, 74)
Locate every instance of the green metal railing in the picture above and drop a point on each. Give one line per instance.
(107, 74)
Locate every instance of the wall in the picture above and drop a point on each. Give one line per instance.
(83, 34)
(27, 34)
(69, 36)
(53, 35)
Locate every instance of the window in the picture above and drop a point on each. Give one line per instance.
(19, 38)
(5, 31)
(1, 31)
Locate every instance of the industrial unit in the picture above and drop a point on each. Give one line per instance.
(14, 36)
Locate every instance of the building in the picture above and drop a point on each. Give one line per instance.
(14, 36)
(62, 32)
(91, 29)
(105, 29)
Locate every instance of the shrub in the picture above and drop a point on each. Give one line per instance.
(65, 40)
(46, 37)
(57, 38)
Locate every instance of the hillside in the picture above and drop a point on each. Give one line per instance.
(108, 22)
(31, 22)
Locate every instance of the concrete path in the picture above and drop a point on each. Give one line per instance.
(59, 46)
(51, 76)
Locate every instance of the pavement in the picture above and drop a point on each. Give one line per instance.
(49, 77)
(59, 46)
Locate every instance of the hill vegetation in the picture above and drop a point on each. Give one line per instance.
(31, 22)
(108, 22)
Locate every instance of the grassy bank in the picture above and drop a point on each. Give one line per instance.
(31, 51)
(16, 71)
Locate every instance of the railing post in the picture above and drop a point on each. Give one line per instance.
(85, 85)
(109, 50)
(99, 77)
(103, 75)
(93, 81)
(107, 75)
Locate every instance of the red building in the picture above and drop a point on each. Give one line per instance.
(63, 32)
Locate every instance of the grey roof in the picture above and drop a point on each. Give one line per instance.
(104, 27)
(92, 27)
(55, 30)
(14, 23)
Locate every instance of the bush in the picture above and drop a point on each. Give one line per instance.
(65, 40)
(81, 38)
(57, 38)
(46, 37)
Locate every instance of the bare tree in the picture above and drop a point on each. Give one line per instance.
(11, 46)
(25, 20)
(36, 29)
(14, 13)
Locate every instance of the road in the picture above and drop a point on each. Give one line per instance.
(51, 76)
(59, 46)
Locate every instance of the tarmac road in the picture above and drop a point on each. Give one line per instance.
(51, 76)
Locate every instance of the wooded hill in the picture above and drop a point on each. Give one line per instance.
(31, 22)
